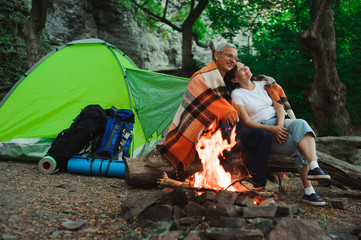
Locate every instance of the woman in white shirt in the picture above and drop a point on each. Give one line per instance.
(291, 137)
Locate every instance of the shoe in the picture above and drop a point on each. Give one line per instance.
(313, 199)
(317, 174)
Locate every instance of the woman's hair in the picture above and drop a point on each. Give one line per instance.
(228, 79)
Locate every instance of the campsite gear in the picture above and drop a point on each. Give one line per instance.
(87, 126)
(117, 136)
(46, 99)
(97, 167)
(96, 132)
(47, 165)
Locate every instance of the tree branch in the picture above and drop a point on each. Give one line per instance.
(161, 19)
(165, 9)
(196, 12)
(196, 39)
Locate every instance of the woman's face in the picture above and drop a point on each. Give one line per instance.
(242, 73)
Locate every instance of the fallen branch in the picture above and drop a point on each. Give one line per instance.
(165, 181)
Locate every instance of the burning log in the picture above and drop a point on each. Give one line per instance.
(145, 171)
(254, 193)
(165, 181)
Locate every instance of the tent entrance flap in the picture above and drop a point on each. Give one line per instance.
(157, 97)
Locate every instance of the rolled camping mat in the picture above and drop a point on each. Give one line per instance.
(47, 165)
(97, 167)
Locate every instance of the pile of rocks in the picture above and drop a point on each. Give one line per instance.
(183, 214)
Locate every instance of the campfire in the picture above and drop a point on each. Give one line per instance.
(211, 198)
(212, 176)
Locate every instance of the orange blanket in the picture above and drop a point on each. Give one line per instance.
(206, 100)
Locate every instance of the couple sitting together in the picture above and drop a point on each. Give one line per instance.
(224, 91)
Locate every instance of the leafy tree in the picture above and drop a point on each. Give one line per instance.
(230, 18)
(326, 94)
(348, 27)
(181, 16)
(274, 49)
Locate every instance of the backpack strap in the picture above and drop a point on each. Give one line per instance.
(126, 133)
(114, 131)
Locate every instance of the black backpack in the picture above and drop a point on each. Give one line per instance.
(94, 133)
(86, 128)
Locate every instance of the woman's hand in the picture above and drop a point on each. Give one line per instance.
(280, 133)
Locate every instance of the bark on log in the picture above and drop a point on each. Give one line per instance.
(144, 171)
(341, 172)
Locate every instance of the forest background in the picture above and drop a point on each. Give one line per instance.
(275, 45)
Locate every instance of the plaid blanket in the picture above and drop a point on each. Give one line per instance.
(205, 100)
(275, 91)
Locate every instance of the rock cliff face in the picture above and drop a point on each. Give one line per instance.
(70, 20)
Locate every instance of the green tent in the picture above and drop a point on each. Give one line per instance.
(54, 91)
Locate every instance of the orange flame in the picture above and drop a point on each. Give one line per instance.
(213, 176)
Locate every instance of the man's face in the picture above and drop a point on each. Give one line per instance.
(226, 60)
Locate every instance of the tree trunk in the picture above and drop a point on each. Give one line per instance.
(144, 172)
(187, 32)
(187, 55)
(32, 30)
(326, 94)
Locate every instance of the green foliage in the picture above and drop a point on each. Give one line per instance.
(323, 222)
(230, 17)
(275, 50)
(195, 65)
(9, 68)
(5, 38)
(12, 46)
(161, 230)
(201, 30)
(348, 27)
(156, 15)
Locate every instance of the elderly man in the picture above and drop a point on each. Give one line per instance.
(207, 100)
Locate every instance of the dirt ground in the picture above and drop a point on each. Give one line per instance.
(38, 206)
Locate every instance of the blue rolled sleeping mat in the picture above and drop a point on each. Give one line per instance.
(97, 167)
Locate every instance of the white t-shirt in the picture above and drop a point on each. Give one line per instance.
(257, 102)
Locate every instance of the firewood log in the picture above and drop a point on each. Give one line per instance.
(145, 171)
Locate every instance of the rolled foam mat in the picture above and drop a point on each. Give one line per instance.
(47, 165)
(97, 167)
